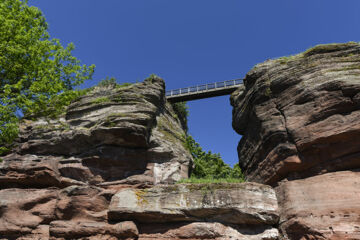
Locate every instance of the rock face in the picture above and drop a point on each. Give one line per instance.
(183, 211)
(109, 136)
(321, 207)
(300, 121)
(246, 203)
(107, 170)
(58, 182)
(300, 116)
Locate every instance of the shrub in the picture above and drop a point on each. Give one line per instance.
(182, 112)
(209, 166)
(111, 82)
(152, 78)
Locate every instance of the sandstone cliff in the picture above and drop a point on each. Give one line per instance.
(106, 170)
(64, 171)
(300, 121)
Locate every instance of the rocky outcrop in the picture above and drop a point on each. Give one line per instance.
(321, 207)
(300, 115)
(107, 170)
(183, 211)
(109, 136)
(246, 203)
(300, 121)
(58, 181)
(206, 231)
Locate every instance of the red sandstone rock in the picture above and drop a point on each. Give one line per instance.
(300, 116)
(321, 207)
(229, 203)
(24, 211)
(92, 230)
(205, 231)
(132, 138)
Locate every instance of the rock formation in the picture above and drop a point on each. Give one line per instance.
(106, 170)
(59, 180)
(299, 116)
(300, 121)
(109, 136)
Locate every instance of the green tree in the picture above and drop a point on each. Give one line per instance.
(208, 165)
(37, 74)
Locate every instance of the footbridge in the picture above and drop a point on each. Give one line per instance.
(203, 91)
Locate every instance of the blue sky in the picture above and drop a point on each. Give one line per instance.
(190, 42)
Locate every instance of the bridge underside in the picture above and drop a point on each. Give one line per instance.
(200, 95)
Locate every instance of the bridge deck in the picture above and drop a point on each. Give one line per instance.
(203, 91)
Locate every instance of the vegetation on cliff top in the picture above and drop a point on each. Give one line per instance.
(37, 74)
(209, 167)
(318, 49)
(111, 82)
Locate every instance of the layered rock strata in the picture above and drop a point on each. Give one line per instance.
(321, 207)
(58, 181)
(109, 136)
(300, 121)
(300, 115)
(199, 211)
(107, 170)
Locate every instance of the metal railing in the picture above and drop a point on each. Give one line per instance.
(206, 87)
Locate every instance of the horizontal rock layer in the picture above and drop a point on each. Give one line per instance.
(300, 115)
(58, 181)
(237, 204)
(109, 136)
(321, 207)
(206, 231)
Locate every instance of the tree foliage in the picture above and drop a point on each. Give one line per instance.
(111, 82)
(182, 111)
(208, 165)
(37, 74)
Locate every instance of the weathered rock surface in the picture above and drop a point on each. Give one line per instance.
(237, 204)
(24, 211)
(300, 121)
(109, 136)
(321, 207)
(206, 231)
(300, 115)
(93, 230)
(58, 182)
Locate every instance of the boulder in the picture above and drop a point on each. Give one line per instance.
(300, 115)
(244, 203)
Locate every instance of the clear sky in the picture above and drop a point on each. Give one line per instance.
(190, 42)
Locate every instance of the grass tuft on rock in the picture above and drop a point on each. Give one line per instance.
(211, 180)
